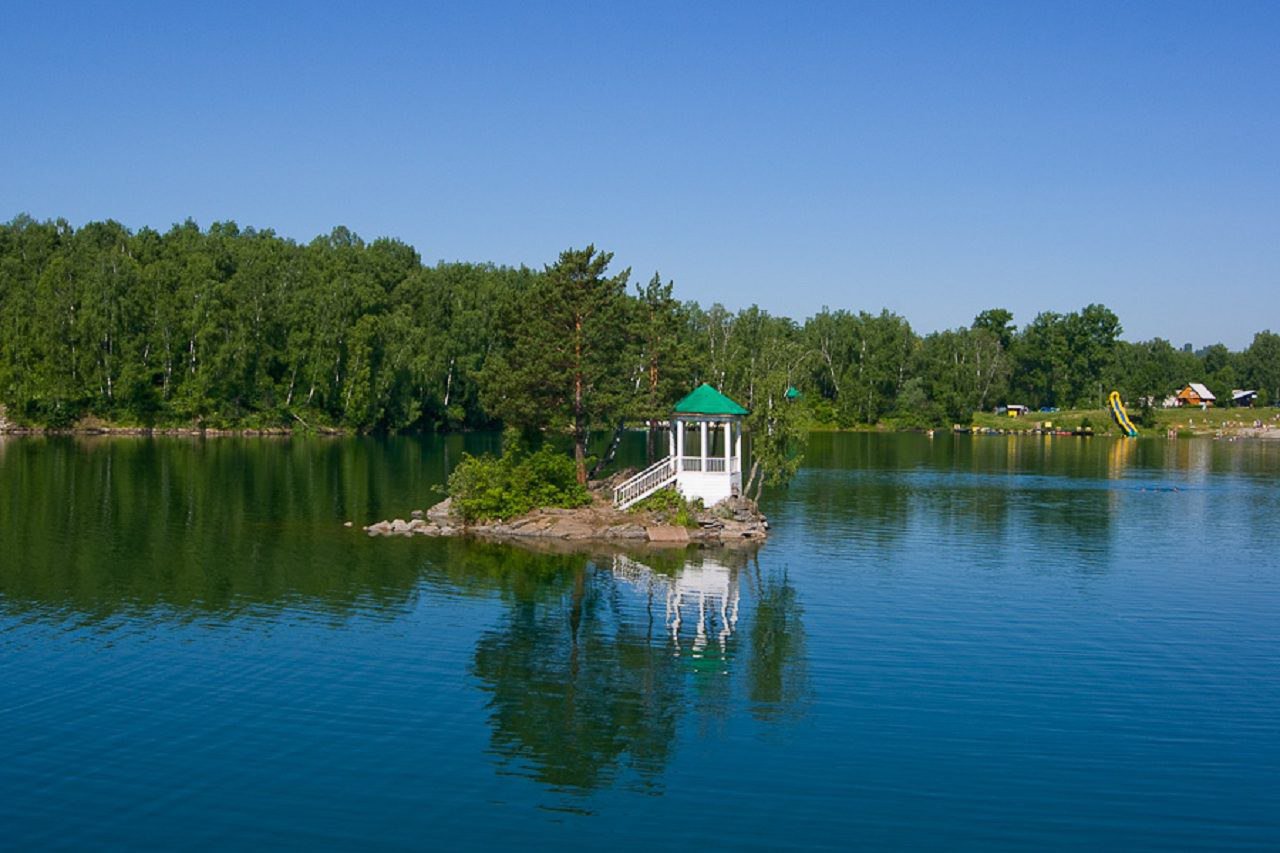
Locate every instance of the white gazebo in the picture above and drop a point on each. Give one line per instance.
(705, 452)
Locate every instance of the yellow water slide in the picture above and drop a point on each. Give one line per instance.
(1121, 416)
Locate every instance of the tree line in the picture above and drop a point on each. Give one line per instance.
(230, 326)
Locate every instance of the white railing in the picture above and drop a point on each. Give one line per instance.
(658, 475)
(714, 464)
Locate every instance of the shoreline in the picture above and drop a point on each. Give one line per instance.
(1264, 433)
(169, 432)
(1267, 428)
(731, 523)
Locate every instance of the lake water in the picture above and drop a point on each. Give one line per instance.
(952, 642)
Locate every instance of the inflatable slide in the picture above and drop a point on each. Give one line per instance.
(1121, 416)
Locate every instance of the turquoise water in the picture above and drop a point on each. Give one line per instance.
(963, 642)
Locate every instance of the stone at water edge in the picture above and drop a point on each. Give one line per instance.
(625, 531)
(667, 533)
(381, 528)
(417, 514)
(567, 528)
(441, 512)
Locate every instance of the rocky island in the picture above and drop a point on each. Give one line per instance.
(733, 521)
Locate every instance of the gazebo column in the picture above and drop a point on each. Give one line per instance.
(727, 448)
(703, 444)
(737, 446)
(671, 438)
(680, 444)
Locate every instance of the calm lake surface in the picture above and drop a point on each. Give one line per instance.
(949, 642)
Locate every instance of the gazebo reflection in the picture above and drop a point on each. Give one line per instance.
(587, 675)
(702, 599)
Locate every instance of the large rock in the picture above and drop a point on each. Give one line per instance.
(441, 512)
(382, 528)
(667, 534)
(569, 528)
(624, 531)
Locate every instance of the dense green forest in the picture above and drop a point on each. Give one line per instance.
(232, 327)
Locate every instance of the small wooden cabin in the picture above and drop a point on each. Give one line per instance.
(1195, 394)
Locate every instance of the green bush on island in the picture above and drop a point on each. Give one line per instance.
(679, 511)
(487, 487)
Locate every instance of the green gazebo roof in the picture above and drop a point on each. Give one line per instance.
(705, 400)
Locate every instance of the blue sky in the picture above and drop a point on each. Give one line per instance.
(934, 159)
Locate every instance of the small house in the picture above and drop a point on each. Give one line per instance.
(1013, 410)
(1245, 399)
(1196, 394)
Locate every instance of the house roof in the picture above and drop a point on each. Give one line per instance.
(705, 400)
(1202, 392)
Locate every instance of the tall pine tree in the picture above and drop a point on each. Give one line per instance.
(564, 364)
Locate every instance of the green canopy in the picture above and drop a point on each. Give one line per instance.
(705, 400)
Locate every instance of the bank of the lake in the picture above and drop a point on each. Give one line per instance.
(1174, 422)
(1262, 422)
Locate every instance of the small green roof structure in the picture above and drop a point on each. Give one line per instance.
(705, 400)
(793, 393)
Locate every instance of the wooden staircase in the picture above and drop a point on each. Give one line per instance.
(657, 476)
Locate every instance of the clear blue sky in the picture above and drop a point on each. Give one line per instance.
(934, 159)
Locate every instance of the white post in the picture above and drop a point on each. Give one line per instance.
(671, 439)
(703, 425)
(738, 446)
(727, 446)
(680, 444)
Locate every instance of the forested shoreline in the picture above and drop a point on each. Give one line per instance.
(230, 327)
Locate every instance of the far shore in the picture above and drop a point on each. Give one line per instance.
(1266, 433)
(182, 432)
(1170, 423)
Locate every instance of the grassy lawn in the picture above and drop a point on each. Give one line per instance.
(1185, 421)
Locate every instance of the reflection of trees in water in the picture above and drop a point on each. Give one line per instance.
(576, 687)
(777, 681)
(108, 525)
(990, 495)
(864, 507)
(590, 669)
(592, 681)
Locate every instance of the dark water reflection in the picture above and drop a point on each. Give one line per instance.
(989, 641)
(594, 681)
